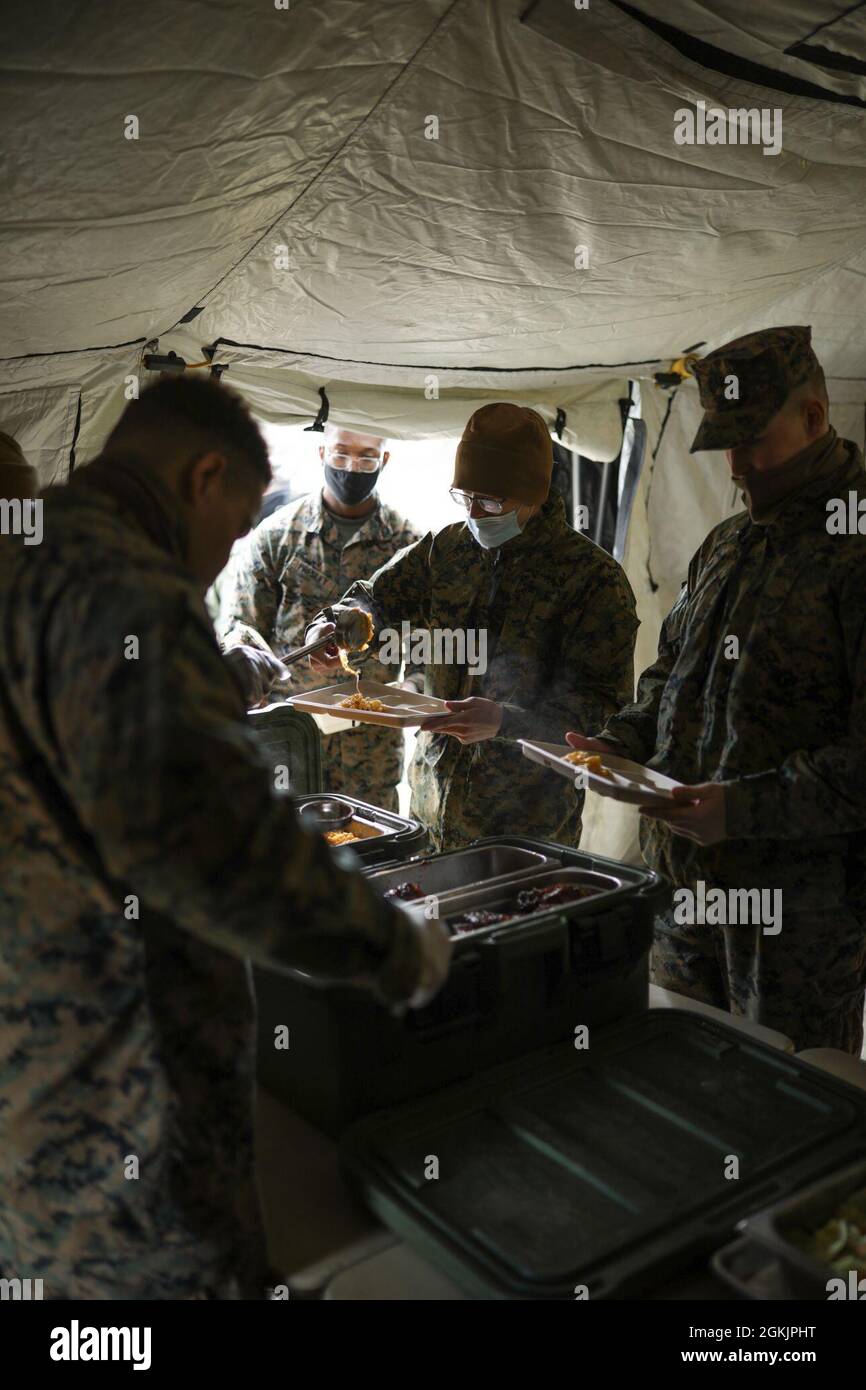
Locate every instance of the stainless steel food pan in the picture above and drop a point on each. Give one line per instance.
(444, 875)
(499, 897)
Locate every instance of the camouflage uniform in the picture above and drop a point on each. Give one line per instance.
(784, 727)
(290, 567)
(560, 621)
(125, 1036)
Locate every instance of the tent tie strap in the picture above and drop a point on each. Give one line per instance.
(318, 424)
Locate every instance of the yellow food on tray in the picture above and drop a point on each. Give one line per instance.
(360, 702)
(340, 837)
(591, 761)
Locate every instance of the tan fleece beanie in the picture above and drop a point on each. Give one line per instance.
(505, 451)
(17, 477)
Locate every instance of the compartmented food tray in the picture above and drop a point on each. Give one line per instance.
(629, 781)
(776, 1231)
(403, 708)
(445, 875)
(607, 1167)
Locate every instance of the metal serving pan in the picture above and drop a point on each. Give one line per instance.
(382, 836)
(359, 826)
(456, 871)
(499, 897)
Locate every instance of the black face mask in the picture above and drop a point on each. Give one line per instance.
(351, 488)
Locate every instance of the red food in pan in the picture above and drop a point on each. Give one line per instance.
(528, 900)
(406, 892)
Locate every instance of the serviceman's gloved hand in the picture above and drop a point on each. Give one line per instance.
(326, 658)
(350, 631)
(255, 671)
(436, 946)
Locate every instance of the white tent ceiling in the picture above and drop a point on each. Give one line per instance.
(304, 128)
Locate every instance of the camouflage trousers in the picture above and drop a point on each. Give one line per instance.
(358, 767)
(808, 982)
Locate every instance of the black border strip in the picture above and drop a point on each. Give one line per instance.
(74, 439)
(827, 58)
(70, 352)
(731, 65)
(428, 367)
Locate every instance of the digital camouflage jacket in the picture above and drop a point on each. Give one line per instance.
(291, 566)
(560, 620)
(144, 855)
(783, 722)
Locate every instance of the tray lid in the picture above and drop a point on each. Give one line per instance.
(289, 738)
(601, 1167)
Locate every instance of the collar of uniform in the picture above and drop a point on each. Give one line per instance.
(540, 528)
(138, 495)
(316, 518)
(806, 507)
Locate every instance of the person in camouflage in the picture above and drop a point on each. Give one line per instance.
(298, 560)
(758, 699)
(17, 476)
(143, 856)
(560, 621)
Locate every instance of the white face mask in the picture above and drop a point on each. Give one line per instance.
(493, 531)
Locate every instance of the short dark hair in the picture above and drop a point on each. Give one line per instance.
(195, 412)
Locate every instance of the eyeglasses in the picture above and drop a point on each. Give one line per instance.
(487, 504)
(363, 463)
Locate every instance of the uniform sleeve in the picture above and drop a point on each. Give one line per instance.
(820, 791)
(413, 670)
(635, 727)
(250, 593)
(399, 591)
(594, 673)
(168, 782)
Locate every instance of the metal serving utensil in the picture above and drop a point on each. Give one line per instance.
(327, 813)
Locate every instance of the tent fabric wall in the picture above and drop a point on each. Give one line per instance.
(40, 396)
(286, 193)
(239, 107)
(43, 421)
(411, 403)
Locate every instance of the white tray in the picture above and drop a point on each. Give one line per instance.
(405, 710)
(640, 786)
